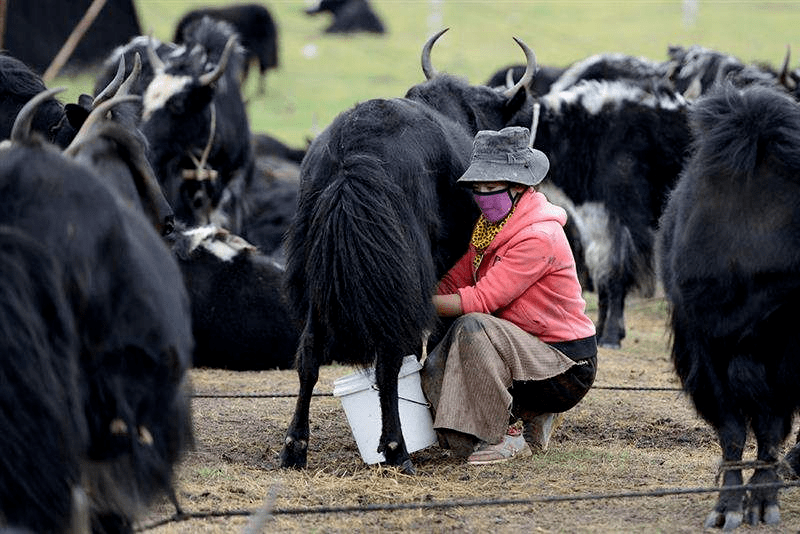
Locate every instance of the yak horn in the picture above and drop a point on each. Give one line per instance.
(530, 71)
(509, 78)
(427, 66)
(94, 117)
(785, 78)
(214, 75)
(22, 124)
(125, 88)
(111, 89)
(155, 61)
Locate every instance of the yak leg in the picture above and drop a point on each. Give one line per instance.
(295, 446)
(762, 505)
(391, 444)
(728, 512)
(611, 308)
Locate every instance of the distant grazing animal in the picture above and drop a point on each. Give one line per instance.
(379, 220)
(240, 317)
(729, 256)
(349, 16)
(125, 295)
(256, 27)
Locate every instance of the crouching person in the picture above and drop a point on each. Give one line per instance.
(521, 349)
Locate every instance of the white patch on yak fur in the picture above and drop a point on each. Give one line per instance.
(218, 241)
(160, 90)
(594, 95)
(598, 243)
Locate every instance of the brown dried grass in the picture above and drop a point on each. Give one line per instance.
(614, 442)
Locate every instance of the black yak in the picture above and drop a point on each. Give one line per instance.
(44, 431)
(729, 256)
(257, 31)
(240, 318)
(126, 297)
(379, 219)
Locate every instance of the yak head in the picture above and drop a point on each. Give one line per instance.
(476, 107)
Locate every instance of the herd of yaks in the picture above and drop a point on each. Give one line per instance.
(137, 240)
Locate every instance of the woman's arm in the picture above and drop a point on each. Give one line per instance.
(448, 305)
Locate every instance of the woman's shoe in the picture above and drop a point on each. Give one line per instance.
(511, 446)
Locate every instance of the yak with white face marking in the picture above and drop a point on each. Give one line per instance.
(196, 124)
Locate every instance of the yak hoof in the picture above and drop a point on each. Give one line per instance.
(294, 453)
(614, 345)
(728, 521)
(408, 468)
(772, 514)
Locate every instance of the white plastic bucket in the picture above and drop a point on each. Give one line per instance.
(359, 397)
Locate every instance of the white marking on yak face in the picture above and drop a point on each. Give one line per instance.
(218, 241)
(161, 89)
(595, 94)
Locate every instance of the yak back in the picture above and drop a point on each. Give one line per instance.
(379, 220)
(730, 237)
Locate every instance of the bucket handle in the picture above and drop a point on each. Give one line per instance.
(426, 404)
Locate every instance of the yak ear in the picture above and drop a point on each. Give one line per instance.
(76, 114)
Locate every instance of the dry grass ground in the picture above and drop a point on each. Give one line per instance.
(616, 445)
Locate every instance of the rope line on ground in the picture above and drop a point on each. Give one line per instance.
(429, 505)
(327, 394)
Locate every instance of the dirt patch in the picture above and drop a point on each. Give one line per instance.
(633, 434)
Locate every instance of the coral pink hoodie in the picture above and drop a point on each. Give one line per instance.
(527, 275)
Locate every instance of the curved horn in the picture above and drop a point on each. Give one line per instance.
(427, 67)
(510, 78)
(214, 75)
(785, 78)
(125, 88)
(530, 71)
(155, 61)
(94, 117)
(22, 124)
(111, 89)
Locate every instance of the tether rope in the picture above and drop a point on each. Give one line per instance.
(386, 507)
(328, 394)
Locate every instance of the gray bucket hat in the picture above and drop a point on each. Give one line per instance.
(504, 156)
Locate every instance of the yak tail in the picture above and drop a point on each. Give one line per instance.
(369, 268)
(734, 128)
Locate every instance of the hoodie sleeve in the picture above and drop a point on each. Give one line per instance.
(459, 275)
(525, 261)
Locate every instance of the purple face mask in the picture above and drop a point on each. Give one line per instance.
(494, 205)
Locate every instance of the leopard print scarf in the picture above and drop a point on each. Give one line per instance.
(484, 233)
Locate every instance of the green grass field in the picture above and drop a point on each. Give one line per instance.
(321, 75)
